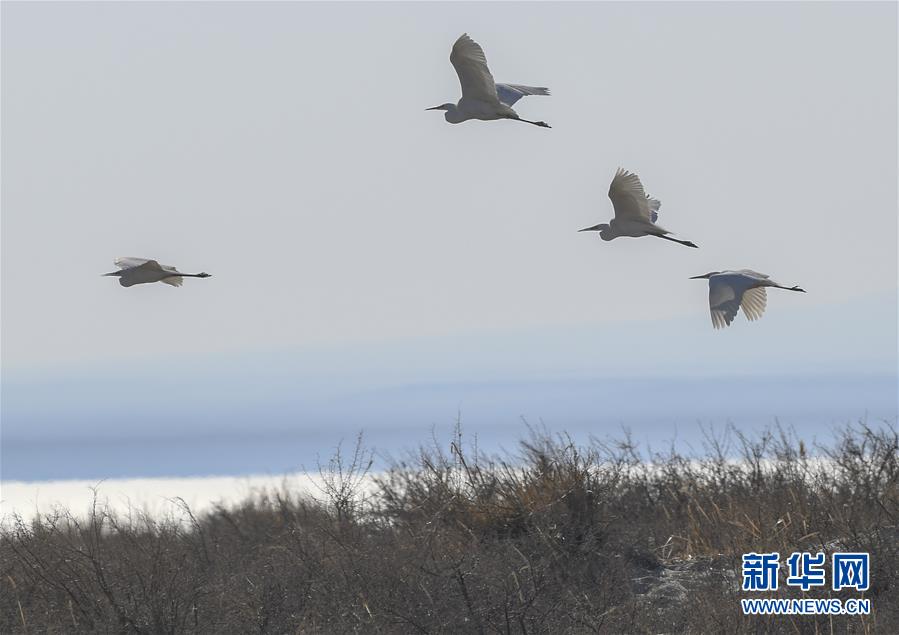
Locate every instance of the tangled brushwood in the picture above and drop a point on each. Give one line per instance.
(557, 538)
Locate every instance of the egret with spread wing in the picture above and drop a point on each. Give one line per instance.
(636, 212)
(482, 98)
(134, 271)
(731, 290)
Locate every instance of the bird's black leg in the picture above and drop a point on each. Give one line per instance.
(542, 124)
(682, 242)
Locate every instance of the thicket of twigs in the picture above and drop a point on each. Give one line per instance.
(556, 539)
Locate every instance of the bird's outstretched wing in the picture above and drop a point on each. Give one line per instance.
(754, 302)
(723, 303)
(175, 281)
(510, 93)
(753, 274)
(471, 66)
(130, 263)
(630, 199)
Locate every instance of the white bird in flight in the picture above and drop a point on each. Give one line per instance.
(482, 98)
(636, 212)
(142, 271)
(730, 290)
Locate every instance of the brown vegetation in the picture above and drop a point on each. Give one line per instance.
(557, 539)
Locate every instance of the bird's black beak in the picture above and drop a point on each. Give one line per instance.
(696, 277)
(434, 108)
(595, 228)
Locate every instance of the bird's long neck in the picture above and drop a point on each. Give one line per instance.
(452, 114)
(187, 275)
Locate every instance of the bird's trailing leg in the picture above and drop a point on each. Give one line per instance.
(796, 288)
(542, 124)
(682, 242)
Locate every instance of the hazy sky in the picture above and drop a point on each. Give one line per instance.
(375, 266)
(285, 149)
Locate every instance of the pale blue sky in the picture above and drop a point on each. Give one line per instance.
(285, 149)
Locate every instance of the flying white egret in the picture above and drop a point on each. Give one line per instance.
(730, 290)
(482, 98)
(636, 212)
(142, 271)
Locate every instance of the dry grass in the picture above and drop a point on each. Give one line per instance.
(558, 538)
